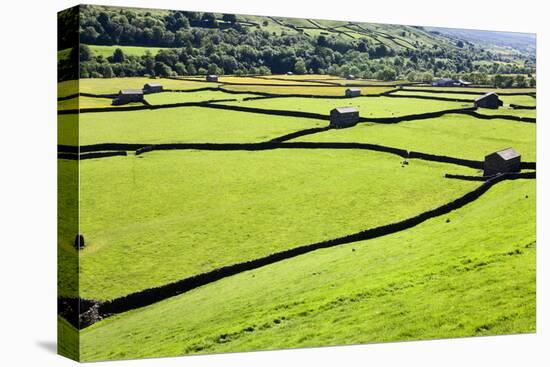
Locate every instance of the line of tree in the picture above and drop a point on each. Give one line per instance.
(201, 43)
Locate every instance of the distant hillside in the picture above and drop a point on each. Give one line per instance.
(190, 43)
(513, 41)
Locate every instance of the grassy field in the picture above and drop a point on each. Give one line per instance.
(453, 135)
(181, 125)
(251, 80)
(443, 95)
(328, 91)
(89, 102)
(156, 218)
(368, 106)
(483, 90)
(506, 99)
(508, 111)
(298, 77)
(113, 85)
(474, 275)
(168, 215)
(106, 51)
(201, 96)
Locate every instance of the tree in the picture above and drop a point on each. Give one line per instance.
(180, 69)
(84, 52)
(520, 81)
(300, 66)
(118, 55)
(386, 74)
(459, 44)
(209, 20)
(213, 69)
(162, 69)
(107, 71)
(231, 18)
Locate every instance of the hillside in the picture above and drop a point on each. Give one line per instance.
(138, 42)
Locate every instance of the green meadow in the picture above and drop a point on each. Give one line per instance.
(106, 51)
(367, 106)
(471, 272)
(454, 135)
(114, 85)
(164, 216)
(199, 96)
(181, 125)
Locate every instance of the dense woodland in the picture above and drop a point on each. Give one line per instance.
(201, 43)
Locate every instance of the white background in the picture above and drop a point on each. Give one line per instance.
(28, 182)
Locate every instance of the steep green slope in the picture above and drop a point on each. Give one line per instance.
(471, 272)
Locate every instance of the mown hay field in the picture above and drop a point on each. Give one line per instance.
(113, 85)
(166, 215)
(303, 90)
(472, 275)
(481, 90)
(253, 80)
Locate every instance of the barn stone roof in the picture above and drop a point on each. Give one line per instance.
(485, 96)
(507, 154)
(153, 85)
(346, 109)
(130, 91)
(354, 89)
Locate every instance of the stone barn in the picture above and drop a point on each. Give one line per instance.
(128, 96)
(342, 117)
(350, 77)
(289, 73)
(489, 100)
(353, 92)
(152, 88)
(507, 160)
(212, 78)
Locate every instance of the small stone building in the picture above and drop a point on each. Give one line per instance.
(445, 82)
(489, 100)
(128, 96)
(342, 117)
(353, 92)
(212, 78)
(152, 88)
(289, 73)
(350, 77)
(507, 160)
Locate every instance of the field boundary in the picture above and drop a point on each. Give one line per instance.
(312, 115)
(439, 91)
(276, 144)
(95, 311)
